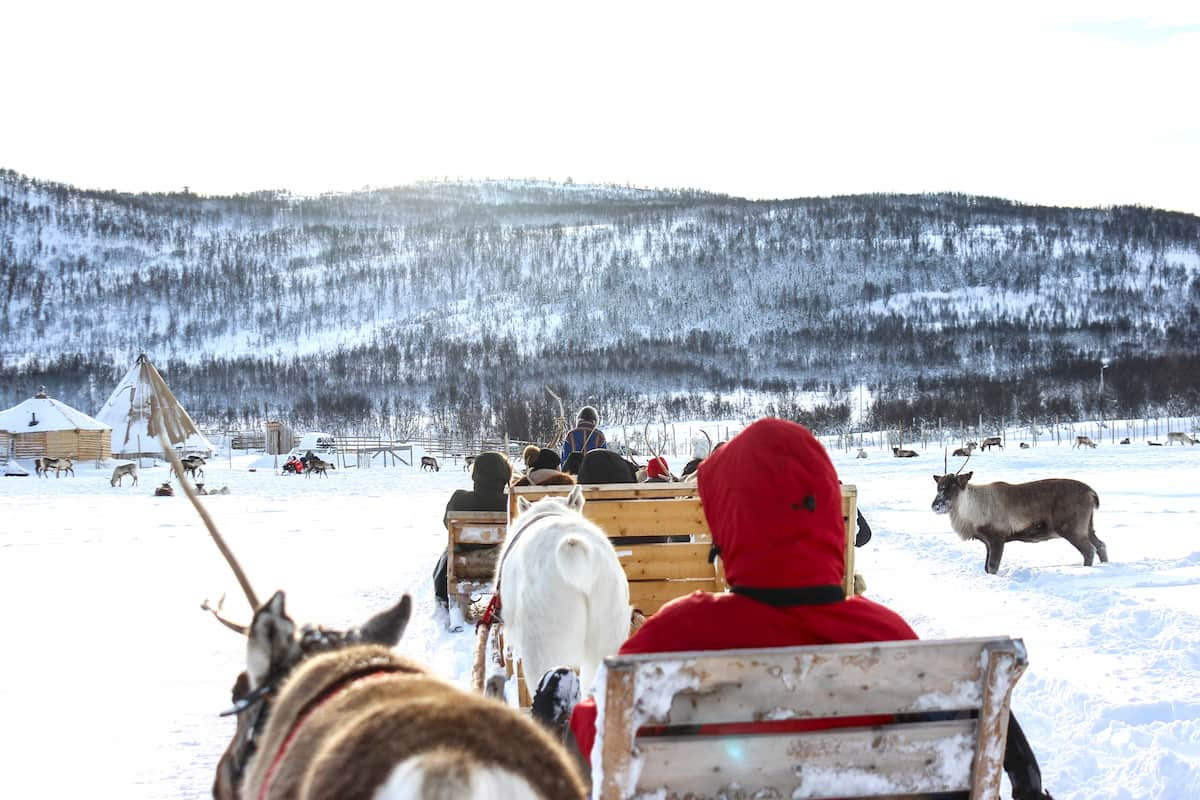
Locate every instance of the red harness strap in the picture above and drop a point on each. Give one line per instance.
(320, 700)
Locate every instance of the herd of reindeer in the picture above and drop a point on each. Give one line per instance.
(996, 441)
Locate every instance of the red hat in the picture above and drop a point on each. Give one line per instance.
(657, 468)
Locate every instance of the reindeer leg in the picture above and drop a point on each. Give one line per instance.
(1101, 548)
(995, 551)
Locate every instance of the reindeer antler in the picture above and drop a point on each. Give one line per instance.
(653, 452)
(226, 621)
(965, 460)
(169, 452)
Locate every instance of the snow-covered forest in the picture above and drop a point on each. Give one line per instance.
(458, 301)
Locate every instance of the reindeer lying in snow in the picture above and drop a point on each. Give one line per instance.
(996, 513)
(900, 452)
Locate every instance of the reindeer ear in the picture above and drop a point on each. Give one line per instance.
(575, 498)
(523, 505)
(937, 478)
(964, 478)
(387, 627)
(270, 644)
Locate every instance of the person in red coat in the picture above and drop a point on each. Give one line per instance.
(774, 505)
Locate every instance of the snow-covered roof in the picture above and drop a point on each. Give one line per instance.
(43, 413)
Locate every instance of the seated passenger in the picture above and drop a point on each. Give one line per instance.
(772, 501)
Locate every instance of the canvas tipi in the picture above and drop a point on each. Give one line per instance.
(141, 393)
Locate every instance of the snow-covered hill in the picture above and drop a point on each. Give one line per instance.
(458, 294)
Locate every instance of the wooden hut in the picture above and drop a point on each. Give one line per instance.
(43, 426)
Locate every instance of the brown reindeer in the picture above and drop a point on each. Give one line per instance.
(121, 470)
(315, 464)
(1083, 441)
(902, 453)
(192, 465)
(165, 490)
(344, 715)
(1179, 436)
(43, 465)
(430, 463)
(965, 451)
(996, 513)
(326, 713)
(992, 441)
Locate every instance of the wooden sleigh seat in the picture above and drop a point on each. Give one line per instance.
(641, 518)
(950, 700)
(470, 570)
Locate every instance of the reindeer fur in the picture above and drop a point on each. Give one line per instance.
(564, 597)
(996, 513)
(407, 731)
(355, 720)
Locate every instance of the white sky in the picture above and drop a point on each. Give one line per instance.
(1080, 103)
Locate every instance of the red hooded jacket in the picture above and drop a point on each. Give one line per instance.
(773, 503)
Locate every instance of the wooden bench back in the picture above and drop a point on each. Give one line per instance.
(969, 680)
(661, 571)
(471, 571)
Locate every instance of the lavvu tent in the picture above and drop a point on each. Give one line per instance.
(141, 393)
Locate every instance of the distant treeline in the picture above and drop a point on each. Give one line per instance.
(497, 403)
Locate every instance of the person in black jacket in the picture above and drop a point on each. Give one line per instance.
(490, 474)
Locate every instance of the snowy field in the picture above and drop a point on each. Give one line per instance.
(112, 677)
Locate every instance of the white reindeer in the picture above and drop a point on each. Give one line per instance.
(563, 594)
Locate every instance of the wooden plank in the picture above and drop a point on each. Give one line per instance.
(823, 681)
(850, 520)
(619, 730)
(649, 596)
(666, 560)
(476, 564)
(895, 759)
(659, 517)
(1001, 674)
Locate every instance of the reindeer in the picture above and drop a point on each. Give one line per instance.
(1125, 441)
(430, 463)
(318, 466)
(861, 453)
(996, 513)
(965, 451)
(165, 490)
(121, 470)
(329, 713)
(1083, 441)
(1179, 436)
(43, 465)
(559, 583)
(1024, 445)
(192, 465)
(992, 441)
(902, 453)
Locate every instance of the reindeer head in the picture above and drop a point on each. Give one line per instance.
(274, 647)
(948, 488)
